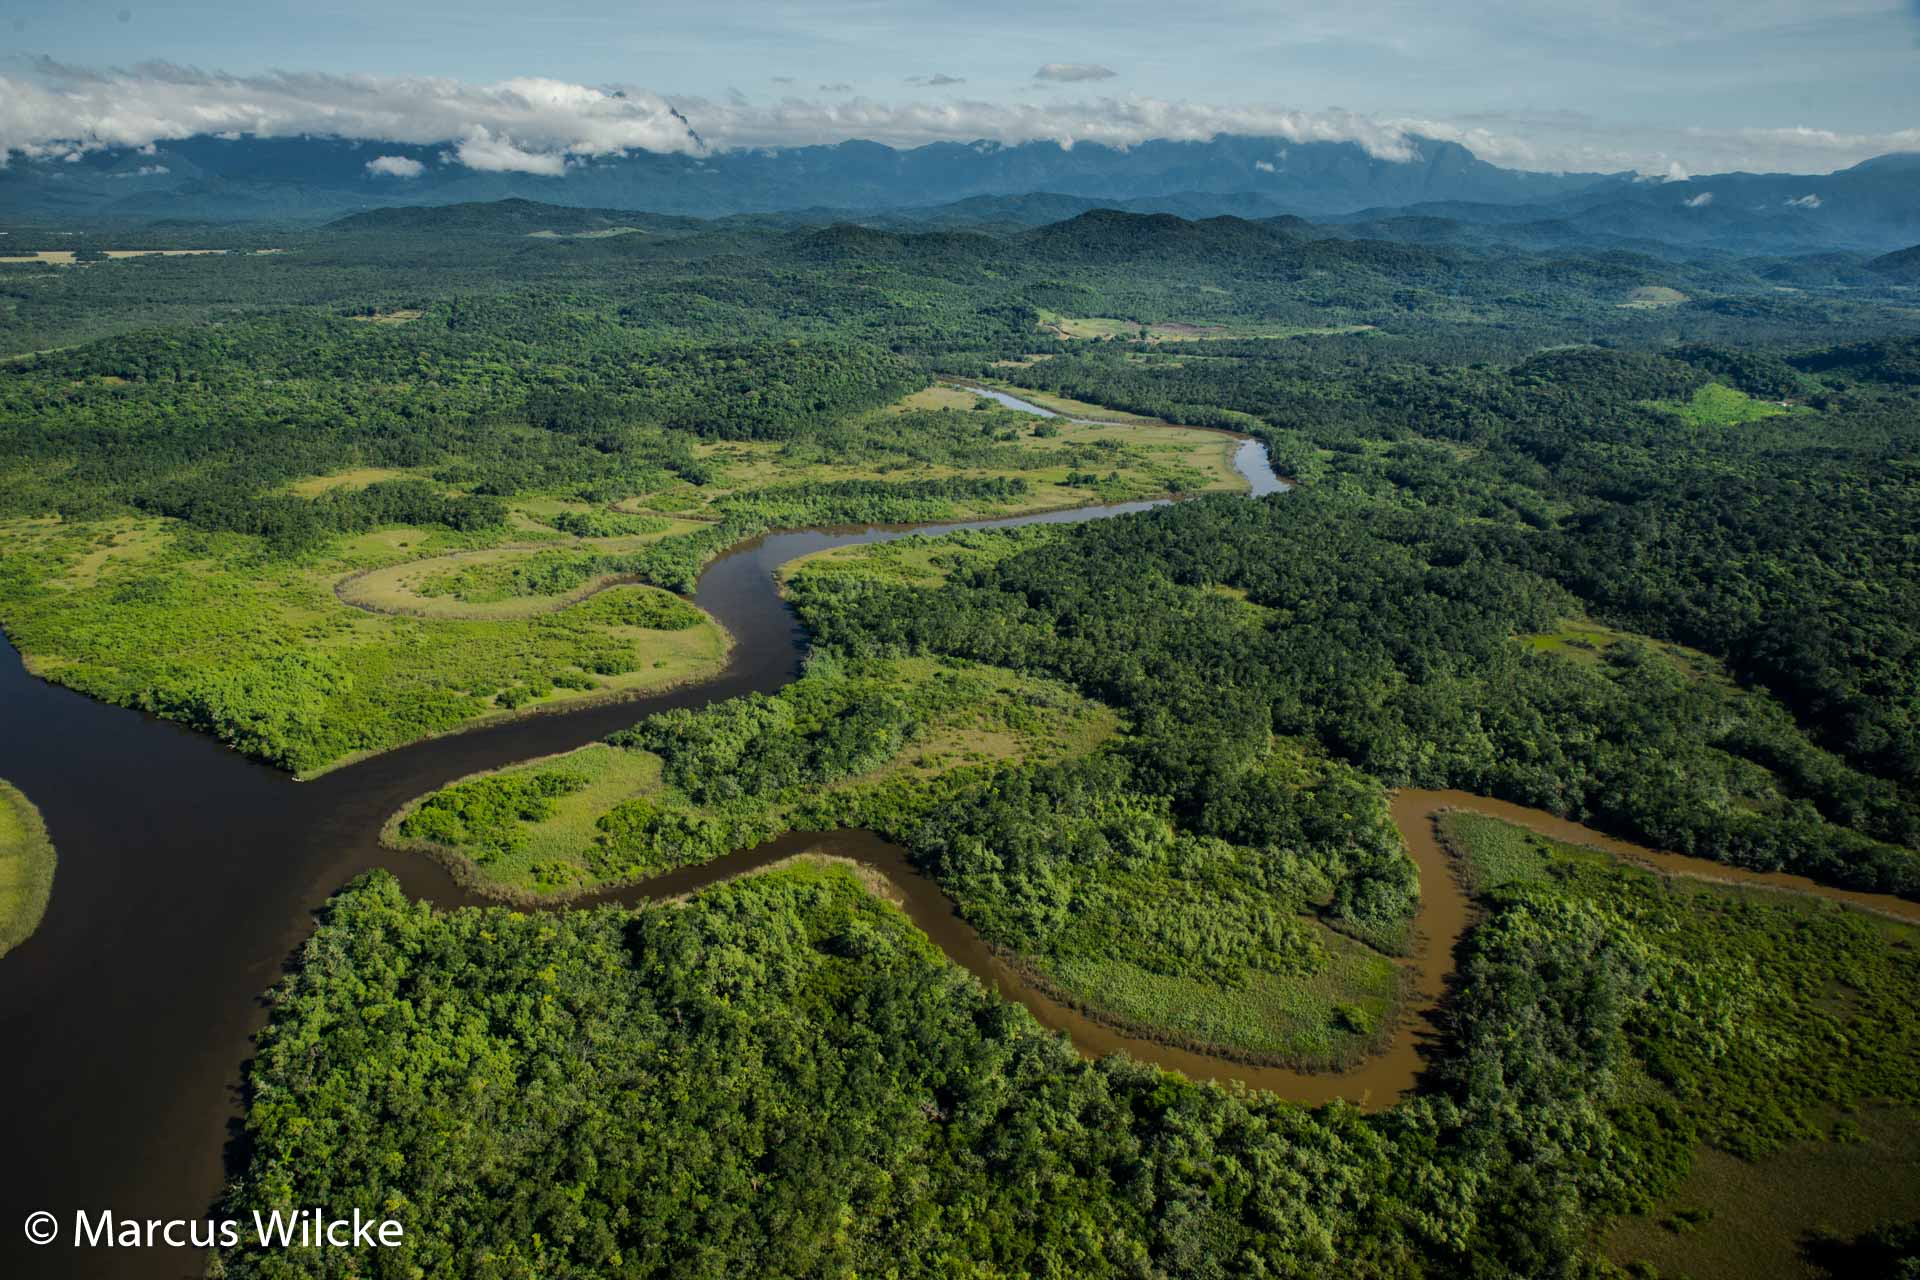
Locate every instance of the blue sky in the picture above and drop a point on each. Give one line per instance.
(1707, 85)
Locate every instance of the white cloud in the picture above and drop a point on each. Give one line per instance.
(395, 167)
(1073, 72)
(527, 122)
(1700, 201)
(936, 80)
(541, 126)
(1808, 201)
(484, 151)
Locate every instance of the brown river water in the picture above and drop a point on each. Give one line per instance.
(189, 877)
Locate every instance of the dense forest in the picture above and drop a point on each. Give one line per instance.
(784, 1077)
(1411, 670)
(1622, 537)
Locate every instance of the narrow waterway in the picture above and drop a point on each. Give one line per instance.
(188, 876)
(1250, 459)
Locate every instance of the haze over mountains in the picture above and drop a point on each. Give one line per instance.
(1442, 194)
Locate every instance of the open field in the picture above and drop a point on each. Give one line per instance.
(355, 478)
(1735, 1219)
(26, 867)
(399, 315)
(1717, 405)
(1334, 1015)
(1587, 641)
(917, 561)
(602, 233)
(67, 257)
(1653, 296)
(1101, 327)
(163, 253)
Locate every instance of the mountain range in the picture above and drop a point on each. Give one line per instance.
(1442, 193)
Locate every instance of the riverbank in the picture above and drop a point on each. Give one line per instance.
(26, 867)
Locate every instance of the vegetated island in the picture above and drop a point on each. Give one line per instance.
(26, 867)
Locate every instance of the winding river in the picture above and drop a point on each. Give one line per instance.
(189, 875)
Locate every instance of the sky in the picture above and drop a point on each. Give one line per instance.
(1662, 86)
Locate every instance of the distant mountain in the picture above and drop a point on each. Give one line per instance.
(325, 177)
(1440, 195)
(1873, 206)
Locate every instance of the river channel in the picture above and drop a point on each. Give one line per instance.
(189, 875)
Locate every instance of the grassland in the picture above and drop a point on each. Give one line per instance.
(565, 824)
(920, 561)
(1331, 1016)
(400, 315)
(355, 478)
(26, 868)
(1734, 1219)
(1096, 328)
(1492, 854)
(261, 652)
(1584, 640)
(1653, 296)
(496, 583)
(1777, 1029)
(1718, 405)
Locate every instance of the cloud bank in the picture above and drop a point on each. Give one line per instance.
(1115, 121)
(543, 126)
(526, 123)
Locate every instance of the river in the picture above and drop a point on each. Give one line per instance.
(189, 876)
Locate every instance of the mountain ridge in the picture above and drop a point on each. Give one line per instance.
(1450, 195)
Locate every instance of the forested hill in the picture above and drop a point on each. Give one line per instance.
(1902, 264)
(511, 216)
